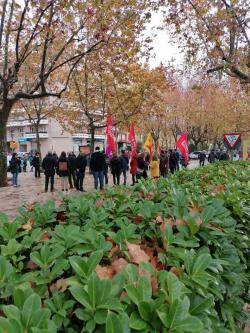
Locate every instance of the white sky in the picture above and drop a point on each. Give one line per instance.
(162, 48)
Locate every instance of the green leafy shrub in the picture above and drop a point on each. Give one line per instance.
(162, 256)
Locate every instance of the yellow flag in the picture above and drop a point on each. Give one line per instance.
(149, 143)
(158, 147)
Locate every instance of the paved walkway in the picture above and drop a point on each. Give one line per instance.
(31, 190)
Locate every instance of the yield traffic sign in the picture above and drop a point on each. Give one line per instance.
(232, 139)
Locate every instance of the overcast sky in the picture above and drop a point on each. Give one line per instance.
(162, 48)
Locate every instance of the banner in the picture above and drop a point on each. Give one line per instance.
(148, 145)
(110, 138)
(182, 146)
(132, 139)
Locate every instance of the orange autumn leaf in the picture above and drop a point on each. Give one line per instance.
(28, 226)
(136, 254)
(45, 237)
(104, 272)
(175, 271)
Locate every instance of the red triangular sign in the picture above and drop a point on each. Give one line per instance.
(232, 139)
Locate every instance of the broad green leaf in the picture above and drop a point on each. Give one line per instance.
(136, 322)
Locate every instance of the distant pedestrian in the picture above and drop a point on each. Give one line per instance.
(163, 163)
(36, 164)
(97, 166)
(133, 168)
(155, 167)
(142, 167)
(30, 162)
(177, 160)
(211, 156)
(106, 169)
(81, 163)
(202, 158)
(55, 156)
(124, 160)
(172, 161)
(49, 165)
(72, 170)
(25, 161)
(116, 168)
(63, 171)
(224, 156)
(14, 167)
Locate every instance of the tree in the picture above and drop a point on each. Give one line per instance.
(213, 33)
(47, 38)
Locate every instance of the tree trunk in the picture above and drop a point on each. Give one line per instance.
(38, 143)
(92, 139)
(4, 112)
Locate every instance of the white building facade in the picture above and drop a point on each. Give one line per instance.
(52, 137)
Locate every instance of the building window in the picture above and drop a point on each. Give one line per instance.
(20, 131)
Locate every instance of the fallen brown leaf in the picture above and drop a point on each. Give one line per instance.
(31, 265)
(104, 272)
(137, 255)
(45, 237)
(175, 271)
(118, 265)
(60, 285)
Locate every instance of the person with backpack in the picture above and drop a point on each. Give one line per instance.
(124, 161)
(36, 164)
(81, 163)
(97, 166)
(63, 171)
(115, 167)
(49, 166)
(15, 168)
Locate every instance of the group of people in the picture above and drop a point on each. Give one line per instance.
(213, 156)
(71, 168)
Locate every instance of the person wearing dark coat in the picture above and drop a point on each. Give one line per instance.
(97, 166)
(106, 169)
(124, 160)
(172, 161)
(211, 157)
(163, 162)
(72, 170)
(49, 166)
(202, 158)
(14, 168)
(115, 167)
(62, 170)
(81, 163)
(142, 167)
(36, 164)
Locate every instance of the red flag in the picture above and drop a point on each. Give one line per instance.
(132, 139)
(182, 145)
(110, 138)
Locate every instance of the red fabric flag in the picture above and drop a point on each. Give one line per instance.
(132, 139)
(182, 145)
(110, 138)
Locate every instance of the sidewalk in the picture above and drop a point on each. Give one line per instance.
(31, 190)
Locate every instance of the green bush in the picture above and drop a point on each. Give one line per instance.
(162, 256)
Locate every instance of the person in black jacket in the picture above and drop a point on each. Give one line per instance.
(172, 161)
(63, 171)
(116, 168)
(142, 167)
(124, 160)
(81, 163)
(36, 164)
(72, 170)
(97, 166)
(49, 165)
(14, 168)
